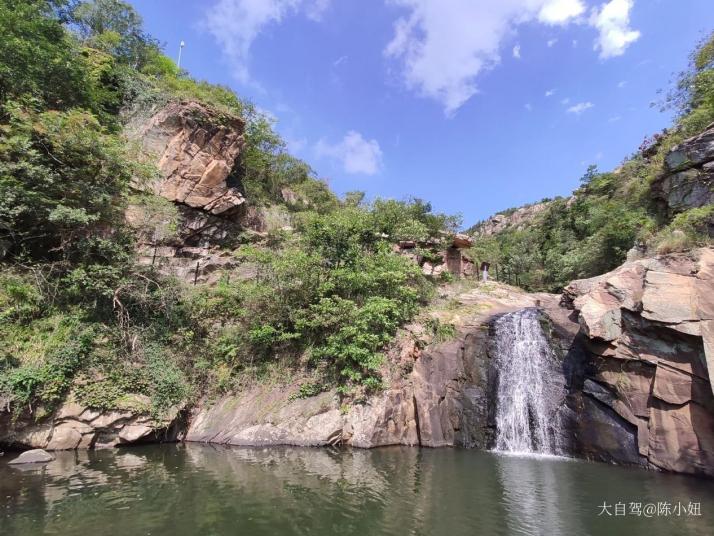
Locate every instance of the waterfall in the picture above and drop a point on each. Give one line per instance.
(526, 417)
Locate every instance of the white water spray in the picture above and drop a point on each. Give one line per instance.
(525, 418)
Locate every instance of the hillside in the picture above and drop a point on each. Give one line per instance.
(158, 243)
(161, 251)
(660, 200)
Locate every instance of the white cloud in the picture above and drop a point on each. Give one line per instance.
(579, 108)
(565, 101)
(297, 145)
(550, 93)
(552, 42)
(622, 84)
(315, 9)
(356, 154)
(614, 119)
(517, 52)
(339, 61)
(443, 45)
(528, 107)
(235, 24)
(560, 11)
(612, 20)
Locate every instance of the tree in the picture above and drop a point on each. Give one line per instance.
(115, 26)
(61, 178)
(38, 59)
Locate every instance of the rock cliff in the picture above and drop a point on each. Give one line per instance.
(197, 152)
(74, 426)
(688, 177)
(438, 394)
(645, 396)
(516, 219)
(196, 149)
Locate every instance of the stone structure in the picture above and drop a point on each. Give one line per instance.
(444, 257)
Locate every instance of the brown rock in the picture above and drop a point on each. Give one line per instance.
(669, 298)
(681, 438)
(196, 149)
(649, 329)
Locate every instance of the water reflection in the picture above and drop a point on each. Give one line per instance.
(206, 490)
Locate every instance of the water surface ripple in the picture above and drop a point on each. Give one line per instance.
(190, 489)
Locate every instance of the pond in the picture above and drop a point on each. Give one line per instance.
(194, 489)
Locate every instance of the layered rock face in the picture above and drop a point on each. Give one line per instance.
(73, 426)
(646, 395)
(196, 150)
(688, 180)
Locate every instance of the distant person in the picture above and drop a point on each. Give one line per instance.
(484, 270)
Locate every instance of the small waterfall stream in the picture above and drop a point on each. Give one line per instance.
(525, 414)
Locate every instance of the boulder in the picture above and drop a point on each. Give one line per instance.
(32, 456)
(462, 241)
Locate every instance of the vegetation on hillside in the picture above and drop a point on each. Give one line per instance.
(78, 313)
(76, 310)
(591, 232)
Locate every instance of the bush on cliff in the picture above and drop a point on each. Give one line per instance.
(332, 298)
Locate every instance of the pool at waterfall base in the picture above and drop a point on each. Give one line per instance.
(196, 489)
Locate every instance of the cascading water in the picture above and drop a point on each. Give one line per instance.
(525, 415)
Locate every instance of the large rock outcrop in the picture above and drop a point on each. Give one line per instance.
(646, 396)
(196, 149)
(442, 402)
(688, 179)
(74, 426)
(197, 152)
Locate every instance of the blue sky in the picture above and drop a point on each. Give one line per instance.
(474, 105)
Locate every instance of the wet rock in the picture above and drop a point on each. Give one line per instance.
(438, 395)
(32, 456)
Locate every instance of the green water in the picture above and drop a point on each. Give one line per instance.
(205, 490)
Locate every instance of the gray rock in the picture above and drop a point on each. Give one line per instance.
(74, 426)
(33, 456)
(688, 179)
(692, 152)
